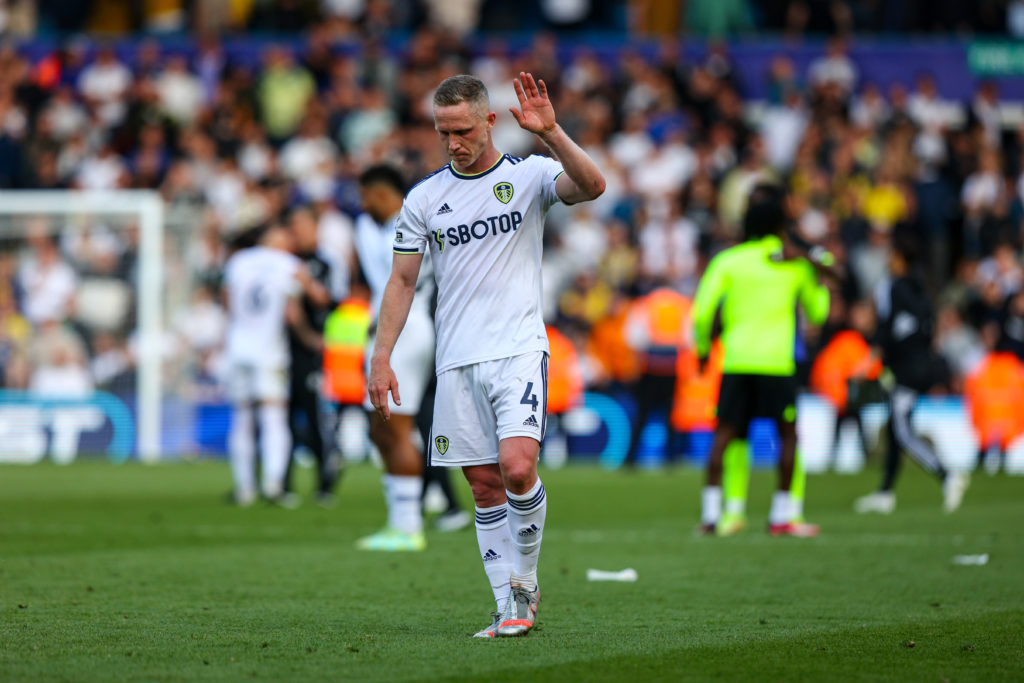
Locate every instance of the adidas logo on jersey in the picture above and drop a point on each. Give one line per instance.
(530, 422)
(444, 209)
(491, 555)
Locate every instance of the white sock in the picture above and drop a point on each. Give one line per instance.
(496, 551)
(402, 494)
(526, 515)
(275, 447)
(782, 508)
(796, 509)
(711, 504)
(736, 506)
(242, 451)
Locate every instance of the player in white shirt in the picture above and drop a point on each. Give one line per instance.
(262, 286)
(382, 188)
(482, 218)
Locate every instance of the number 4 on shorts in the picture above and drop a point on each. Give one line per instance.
(529, 398)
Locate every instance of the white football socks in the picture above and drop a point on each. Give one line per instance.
(526, 515)
(496, 550)
(711, 504)
(275, 447)
(736, 507)
(242, 452)
(402, 495)
(782, 508)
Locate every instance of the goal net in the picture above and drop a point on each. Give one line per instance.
(88, 284)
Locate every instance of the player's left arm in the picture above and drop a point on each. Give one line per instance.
(582, 180)
(814, 297)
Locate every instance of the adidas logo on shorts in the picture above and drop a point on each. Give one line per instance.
(530, 422)
(491, 555)
(444, 209)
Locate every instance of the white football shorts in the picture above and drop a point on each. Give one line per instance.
(252, 383)
(412, 359)
(478, 405)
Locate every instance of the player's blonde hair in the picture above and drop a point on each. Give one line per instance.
(463, 88)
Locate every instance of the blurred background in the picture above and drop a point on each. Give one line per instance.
(877, 116)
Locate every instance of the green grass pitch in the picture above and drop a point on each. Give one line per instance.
(135, 572)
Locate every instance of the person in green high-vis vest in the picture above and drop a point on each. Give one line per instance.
(756, 288)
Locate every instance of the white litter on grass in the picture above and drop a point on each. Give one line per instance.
(625, 576)
(971, 560)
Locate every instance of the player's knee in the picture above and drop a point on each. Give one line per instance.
(519, 473)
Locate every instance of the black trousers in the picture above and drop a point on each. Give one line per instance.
(652, 393)
(842, 417)
(312, 420)
(901, 437)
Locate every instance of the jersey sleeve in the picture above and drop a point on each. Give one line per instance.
(410, 229)
(705, 304)
(814, 297)
(550, 170)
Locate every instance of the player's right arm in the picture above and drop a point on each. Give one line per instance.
(394, 309)
(705, 305)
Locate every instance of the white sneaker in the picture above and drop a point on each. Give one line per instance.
(953, 488)
(882, 502)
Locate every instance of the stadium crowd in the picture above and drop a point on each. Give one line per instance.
(234, 145)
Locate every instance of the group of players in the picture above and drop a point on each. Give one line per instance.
(473, 229)
(280, 293)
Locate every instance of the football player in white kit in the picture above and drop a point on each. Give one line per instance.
(482, 217)
(262, 287)
(382, 189)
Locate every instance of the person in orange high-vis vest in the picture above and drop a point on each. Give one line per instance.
(845, 359)
(565, 381)
(696, 395)
(995, 397)
(346, 332)
(656, 329)
(606, 345)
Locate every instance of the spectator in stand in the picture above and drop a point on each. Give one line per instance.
(105, 85)
(982, 192)
(834, 73)
(47, 281)
(59, 365)
(180, 92)
(284, 90)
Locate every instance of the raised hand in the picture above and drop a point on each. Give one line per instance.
(535, 112)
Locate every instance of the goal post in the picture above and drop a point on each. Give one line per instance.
(148, 207)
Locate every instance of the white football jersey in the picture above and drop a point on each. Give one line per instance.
(484, 234)
(259, 281)
(374, 248)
